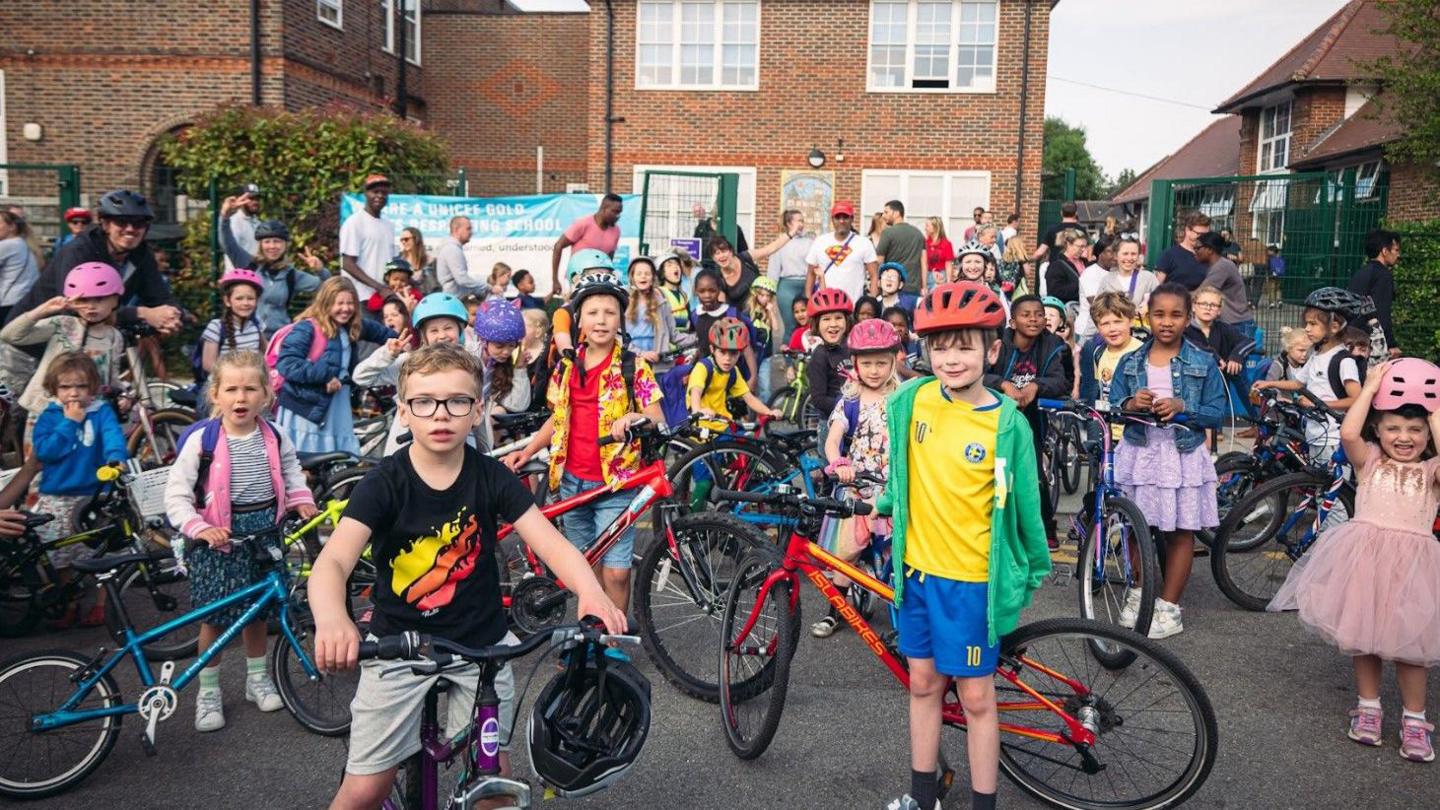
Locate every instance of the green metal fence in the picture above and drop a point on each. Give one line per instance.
(44, 191)
(674, 207)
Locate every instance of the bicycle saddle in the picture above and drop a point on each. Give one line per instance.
(185, 397)
(309, 461)
(799, 437)
(97, 565)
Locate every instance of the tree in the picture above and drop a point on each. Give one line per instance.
(1065, 149)
(1411, 80)
(1123, 179)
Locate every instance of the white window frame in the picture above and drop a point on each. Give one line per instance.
(744, 202)
(1365, 183)
(389, 47)
(954, 219)
(1261, 140)
(912, 17)
(719, 45)
(338, 6)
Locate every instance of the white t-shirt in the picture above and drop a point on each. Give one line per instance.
(371, 240)
(1089, 288)
(242, 227)
(846, 261)
(1315, 374)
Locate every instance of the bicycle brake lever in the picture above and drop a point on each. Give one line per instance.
(422, 666)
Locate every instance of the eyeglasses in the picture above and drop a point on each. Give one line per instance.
(1207, 305)
(130, 223)
(426, 407)
(404, 239)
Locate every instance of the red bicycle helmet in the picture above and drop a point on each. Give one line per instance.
(1409, 381)
(830, 299)
(959, 305)
(72, 214)
(872, 335)
(729, 334)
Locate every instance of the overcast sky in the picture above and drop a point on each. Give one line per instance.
(1195, 53)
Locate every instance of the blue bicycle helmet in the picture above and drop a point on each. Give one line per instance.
(896, 266)
(499, 321)
(588, 259)
(439, 305)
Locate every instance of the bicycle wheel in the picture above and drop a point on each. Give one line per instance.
(166, 425)
(1072, 457)
(171, 599)
(1050, 467)
(1156, 735)
(1128, 562)
(405, 794)
(321, 705)
(20, 588)
(1268, 530)
(788, 402)
(680, 595)
(755, 674)
(738, 465)
(1236, 477)
(36, 765)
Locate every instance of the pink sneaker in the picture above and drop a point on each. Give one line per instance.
(1415, 740)
(1365, 725)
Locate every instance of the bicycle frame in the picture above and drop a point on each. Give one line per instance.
(272, 590)
(805, 557)
(1338, 476)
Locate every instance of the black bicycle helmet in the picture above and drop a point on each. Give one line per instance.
(272, 229)
(1347, 304)
(589, 724)
(598, 283)
(125, 203)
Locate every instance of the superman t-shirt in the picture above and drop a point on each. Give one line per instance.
(434, 551)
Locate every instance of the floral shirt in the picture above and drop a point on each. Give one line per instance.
(869, 440)
(618, 461)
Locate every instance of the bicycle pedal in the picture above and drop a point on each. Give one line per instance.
(1061, 573)
(147, 745)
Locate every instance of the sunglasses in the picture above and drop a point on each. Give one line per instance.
(130, 223)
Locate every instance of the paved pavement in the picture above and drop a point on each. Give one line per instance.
(1280, 695)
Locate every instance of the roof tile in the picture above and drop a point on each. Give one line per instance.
(1215, 152)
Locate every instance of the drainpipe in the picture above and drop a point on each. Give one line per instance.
(1024, 97)
(401, 108)
(255, 52)
(609, 93)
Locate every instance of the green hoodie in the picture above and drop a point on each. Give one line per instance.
(1019, 556)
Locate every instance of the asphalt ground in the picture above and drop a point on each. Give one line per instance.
(1280, 694)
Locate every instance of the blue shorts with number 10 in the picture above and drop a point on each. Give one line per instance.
(944, 619)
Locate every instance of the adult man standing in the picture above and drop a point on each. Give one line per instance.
(903, 243)
(600, 231)
(1178, 263)
(978, 215)
(1223, 275)
(450, 268)
(1068, 221)
(1012, 227)
(367, 240)
(843, 258)
(242, 222)
(1377, 279)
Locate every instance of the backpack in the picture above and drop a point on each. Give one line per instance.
(1333, 372)
(709, 366)
(210, 436)
(272, 350)
(627, 370)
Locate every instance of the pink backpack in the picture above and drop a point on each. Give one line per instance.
(272, 350)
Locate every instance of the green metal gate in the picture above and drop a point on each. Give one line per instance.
(669, 202)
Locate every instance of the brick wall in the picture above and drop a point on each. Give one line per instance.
(812, 83)
(1315, 112)
(1414, 194)
(348, 66)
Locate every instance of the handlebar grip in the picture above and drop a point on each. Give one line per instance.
(1054, 404)
(737, 495)
(405, 646)
(107, 474)
(862, 508)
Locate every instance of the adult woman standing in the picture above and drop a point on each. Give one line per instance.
(19, 266)
(877, 227)
(274, 264)
(412, 249)
(1129, 278)
(788, 268)
(739, 270)
(939, 253)
(1062, 274)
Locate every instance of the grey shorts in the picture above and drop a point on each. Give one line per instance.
(385, 715)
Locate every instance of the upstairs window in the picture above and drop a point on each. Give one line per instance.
(933, 45)
(691, 45)
(1274, 138)
(412, 28)
(331, 12)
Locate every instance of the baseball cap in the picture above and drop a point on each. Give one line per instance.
(247, 188)
(843, 207)
(375, 180)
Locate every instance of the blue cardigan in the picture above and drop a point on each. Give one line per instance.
(304, 390)
(72, 451)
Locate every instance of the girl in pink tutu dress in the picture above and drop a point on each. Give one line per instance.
(1371, 586)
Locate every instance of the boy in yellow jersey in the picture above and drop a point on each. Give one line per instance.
(716, 380)
(968, 538)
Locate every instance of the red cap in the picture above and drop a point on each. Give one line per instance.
(375, 180)
(843, 207)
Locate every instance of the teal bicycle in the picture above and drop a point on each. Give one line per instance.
(50, 747)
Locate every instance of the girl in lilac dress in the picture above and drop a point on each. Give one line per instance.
(1371, 586)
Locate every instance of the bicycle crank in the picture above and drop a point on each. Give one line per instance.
(157, 703)
(537, 604)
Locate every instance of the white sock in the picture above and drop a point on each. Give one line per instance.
(1370, 703)
(1409, 715)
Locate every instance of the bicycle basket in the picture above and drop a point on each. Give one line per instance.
(146, 491)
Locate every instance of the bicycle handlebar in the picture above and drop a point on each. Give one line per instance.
(411, 646)
(844, 508)
(1075, 406)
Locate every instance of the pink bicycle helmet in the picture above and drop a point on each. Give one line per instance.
(872, 335)
(242, 276)
(93, 280)
(1409, 381)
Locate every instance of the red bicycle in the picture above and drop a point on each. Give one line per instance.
(1075, 733)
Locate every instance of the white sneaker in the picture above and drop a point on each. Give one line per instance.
(209, 711)
(1130, 611)
(1166, 622)
(260, 690)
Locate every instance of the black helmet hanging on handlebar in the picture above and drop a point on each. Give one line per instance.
(589, 724)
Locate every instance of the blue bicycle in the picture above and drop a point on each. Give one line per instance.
(739, 460)
(49, 748)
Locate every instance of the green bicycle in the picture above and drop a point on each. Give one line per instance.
(793, 401)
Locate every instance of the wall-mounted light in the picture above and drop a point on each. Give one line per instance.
(840, 151)
(816, 158)
(32, 131)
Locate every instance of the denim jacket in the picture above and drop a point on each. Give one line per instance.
(1196, 380)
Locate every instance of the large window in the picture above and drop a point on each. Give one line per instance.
(933, 45)
(330, 12)
(1274, 138)
(412, 28)
(952, 196)
(691, 45)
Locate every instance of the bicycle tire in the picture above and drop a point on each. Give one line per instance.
(1050, 467)
(1241, 572)
(666, 600)
(1072, 457)
(1111, 603)
(1235, 478)
(405, 793)
(321, 706)
(1194, 716)
(69, 664)
(764, 685)
(785, 403)
(144, 613)
(166, 425)
(724, 474)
